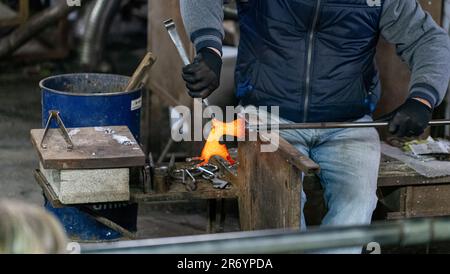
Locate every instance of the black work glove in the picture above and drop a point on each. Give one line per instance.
(203, 75)
(410, 119)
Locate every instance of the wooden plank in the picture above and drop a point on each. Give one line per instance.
(396, 173)
(291, 154)
(49, 193)
(269, 189)
(294, 157)
(433, 200)
(92, 149)
(141, 72)
(434, 7)
(392, 173)
(403, 215)
(178, 192)
(165, 95)
(414, 180)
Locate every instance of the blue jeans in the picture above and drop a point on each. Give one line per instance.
(349, 161)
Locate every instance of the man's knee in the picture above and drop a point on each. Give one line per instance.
(364, 198)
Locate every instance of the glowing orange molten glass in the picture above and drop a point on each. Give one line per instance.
(219, 129)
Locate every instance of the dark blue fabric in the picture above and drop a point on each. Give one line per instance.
(208, 42)
(426, 92)
(273, 55)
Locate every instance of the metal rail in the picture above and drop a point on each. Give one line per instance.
(330, 125)
(402, 233)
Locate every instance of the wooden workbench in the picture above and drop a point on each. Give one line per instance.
(402, 192)
(268, 190)
(406, 194)
(268, 185)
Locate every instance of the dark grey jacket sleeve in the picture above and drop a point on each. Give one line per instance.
(203, 20)
(422, 44)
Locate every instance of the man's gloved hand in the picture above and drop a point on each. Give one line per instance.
(410, 119)
(203, 75)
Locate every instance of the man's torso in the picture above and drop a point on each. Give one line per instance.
(313, 58)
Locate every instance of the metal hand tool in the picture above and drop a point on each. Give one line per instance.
(219, 183)
(160, 179)
(147, 173)
(329, 125)
(180, 174)
(173, 33)
(211, 175)
(192, 186)
(177, 173)
(209, 171)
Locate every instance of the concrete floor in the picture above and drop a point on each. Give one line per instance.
(20, 111)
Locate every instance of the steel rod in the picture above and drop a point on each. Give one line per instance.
(330, 125)
(402, 233)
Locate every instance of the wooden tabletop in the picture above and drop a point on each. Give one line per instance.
(392, 173)
(94, 148)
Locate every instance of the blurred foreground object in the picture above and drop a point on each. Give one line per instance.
(27, 229)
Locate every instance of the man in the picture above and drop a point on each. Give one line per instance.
(315, 60)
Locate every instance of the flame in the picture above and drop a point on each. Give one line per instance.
(219, 129)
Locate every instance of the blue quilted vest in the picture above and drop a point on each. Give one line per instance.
(312, 58)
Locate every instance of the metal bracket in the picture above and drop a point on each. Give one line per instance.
(54, 114)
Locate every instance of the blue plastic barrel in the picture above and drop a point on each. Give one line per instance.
(90, 100)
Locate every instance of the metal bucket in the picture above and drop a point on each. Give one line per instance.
(89, 100)
(86, 100)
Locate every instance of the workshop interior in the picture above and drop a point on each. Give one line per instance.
(224, 127)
